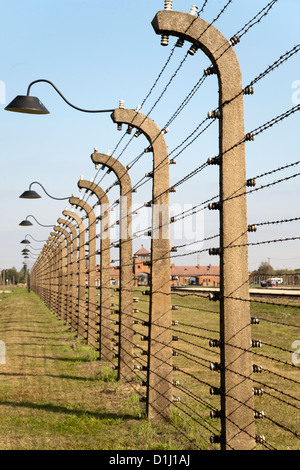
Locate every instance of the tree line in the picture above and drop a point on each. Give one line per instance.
(12, 276)
(266, 268)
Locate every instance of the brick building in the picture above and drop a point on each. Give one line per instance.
(195, 275)
(180, 275)
(140, 270)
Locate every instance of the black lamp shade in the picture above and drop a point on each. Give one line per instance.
(27, 104)
(30, 195)
(26, 241)
(25, 223)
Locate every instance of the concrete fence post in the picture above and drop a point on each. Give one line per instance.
(125, 366)
(81, 313)
(73, 274)
(55, 272)
(159, 383)
(238, 430)
(62, 265)
(66, 274)
(91, 266)
(105, 330)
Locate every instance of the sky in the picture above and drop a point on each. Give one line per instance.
(99, 52)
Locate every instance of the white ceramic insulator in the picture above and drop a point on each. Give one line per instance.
(121, 104)
(168, 4)
(180, 42)
(193, 49)
(193, 10)
(164, 40)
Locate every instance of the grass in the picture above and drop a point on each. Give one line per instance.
(54, 394)
(198, 321)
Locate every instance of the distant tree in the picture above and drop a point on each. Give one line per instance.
(13, 276)
(265, 268)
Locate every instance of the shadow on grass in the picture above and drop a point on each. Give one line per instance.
(70, 377)
(17, 322)
(55, 358)
(62, 409)
(36, 344)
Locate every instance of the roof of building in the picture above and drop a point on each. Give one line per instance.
(142, 251)
(195, 270)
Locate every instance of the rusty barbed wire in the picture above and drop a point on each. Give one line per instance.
(203, 7)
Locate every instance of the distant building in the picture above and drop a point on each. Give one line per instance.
(141, 271)
(179, 275)
(195, 275)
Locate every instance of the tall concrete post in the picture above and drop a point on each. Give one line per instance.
(105, 346)
(52, 244)
(47, 254)
(74, 273)
(37, 270)
(56, 272)
(44, 260)
(62, 268)
(28, 280)
(91, 314)
(238, 431)
(81, 314)
(125, 369)
(67, 274)
(159, 383)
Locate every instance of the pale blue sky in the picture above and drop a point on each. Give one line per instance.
(98, 52)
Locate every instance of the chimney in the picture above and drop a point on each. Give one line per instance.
(198, 260)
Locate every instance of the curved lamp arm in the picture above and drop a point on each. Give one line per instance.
(39, 241)
(70, 104)
(37, 249)
(52, 197)
(38, 221)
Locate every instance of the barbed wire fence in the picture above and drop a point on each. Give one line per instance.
(194, 391)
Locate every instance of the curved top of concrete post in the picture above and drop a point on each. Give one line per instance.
(64, 232)
(77, 218)
(53, 238)
(43, 254)
(210, 40)
(45, 251)
(98, 191)
(53, 242)
(125, 191)
(85, 206)
(231, 123)
(55, 234)
(159, 148)
(94, 188)
(48, 246)
(151, 131)
(117, 167)
(69, 224)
